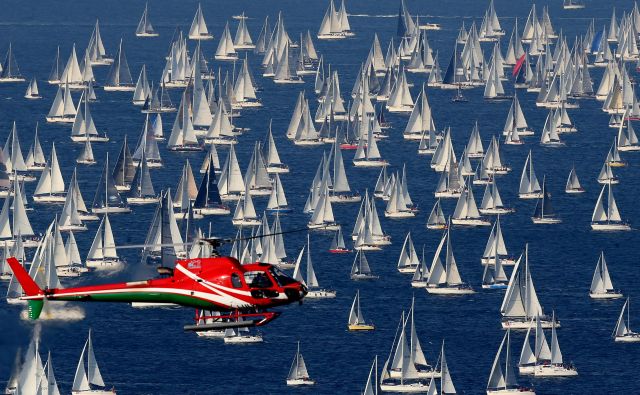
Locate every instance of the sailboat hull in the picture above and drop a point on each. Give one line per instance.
(74, 228)
(201, 37)
(247, 222)
(607, 295)
(496, 210)
(370, 163)
(341, 198)
(60, 119)
(422, 374)
(119, 88)
(400, 214)
(320, 294)
(523, 324)
(104, 264)
(94, 392)
(111, 210)
(299, 382)
(574, 191)
(400, 109)
(545, 221)
(441, 226)
(404, 388)
(407, 269)
(512, 391)
(147, 35)
(610, 227)
(450, 290)
(92, 138)
(554, 371)
(326, 227)
(470, 222)
(628, 338)
(55, 199)
(361, 327)
(223, 210)
(143, 200)
(12, 79)
(211, 334)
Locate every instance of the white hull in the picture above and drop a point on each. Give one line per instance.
(212, 211)
(93, 139)
(247, 222)
(345, 198)
(320, 294)
(298, 382)
(449, 290)
(400, 214)
(503, 261)
(211, 334)
(88, 217)
(74, 228)
(221, 140)
(610, 227)
(512, 391)
(531, 195)
(146, 35)
(546, 221)
(243, 339)
(12, 79)
(554, 371)
(496, 210)
(86, 162)
(407, 269)
(281, 169)
(201, 37)
(60, 119)
(526, 324)
(405, 388)
(289, 81)
(448, 194)
(109, 264)
(419, 284)
(227, 58)
(370, 163)
(441, 226)
(143, 200)
(574, 191)
(122, 88)
(94, 392)
(110, 210)
(422, 374)
(400, 109)
(608, 295)
(629, 338)
(55, 199)
(470, 222)
(327, 227)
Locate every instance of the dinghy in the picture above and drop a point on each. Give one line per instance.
(356, 320)
(601, 285)
(623, 333)
(609, 219)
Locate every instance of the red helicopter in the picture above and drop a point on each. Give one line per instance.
(217, 283)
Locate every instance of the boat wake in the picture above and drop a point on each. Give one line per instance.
(58, 313)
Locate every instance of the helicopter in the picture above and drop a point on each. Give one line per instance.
(243, 293)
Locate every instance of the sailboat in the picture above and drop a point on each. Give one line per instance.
(285, 72)
(119, 77)
(606, 175)
(50, 188)
(466, 212)
(368, 154)
(107, 198)
(520, 304)
(145, 28)
(601, 285)
(623, 333)
(86, 156)
(371, 387)
(573, 184)
(97, 52)
(208, 201)
(360, 270)
(492, 201)
(298, 374)
(32, 90)
(278, 200)
(609, 219)
(408, 261)
(572, 5)
(400, 100)
(613, 157)
(273, 162)
(242, 39)
(198, 30)
(335, 24)
(554, 367)
(83, 127)
(496, 247)
(35, 160)
(550, 136)
(436, 218)
(337, 243)
(397, 206)
(141, 191)
(322, 217)
(9, 72)
(241, 335)
(226, 50)
(544, 212)
(102, 254)
(504, 382)
(399, 373)
(627, 141)
(245, 214)
(315, 292)
(446, 280)
(62, 109)
(183, 136)
(88, 381)
(529, 186)
(356, 320)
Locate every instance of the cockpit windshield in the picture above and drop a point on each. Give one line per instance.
(257, 279)
(281, 278)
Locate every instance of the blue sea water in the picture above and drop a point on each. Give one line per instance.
(146, 351)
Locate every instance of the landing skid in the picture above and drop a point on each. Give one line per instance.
(225, 321)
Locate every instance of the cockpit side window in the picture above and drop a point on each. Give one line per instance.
(235, 281)
(257, 279)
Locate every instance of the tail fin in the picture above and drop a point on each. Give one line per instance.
(30, 288)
